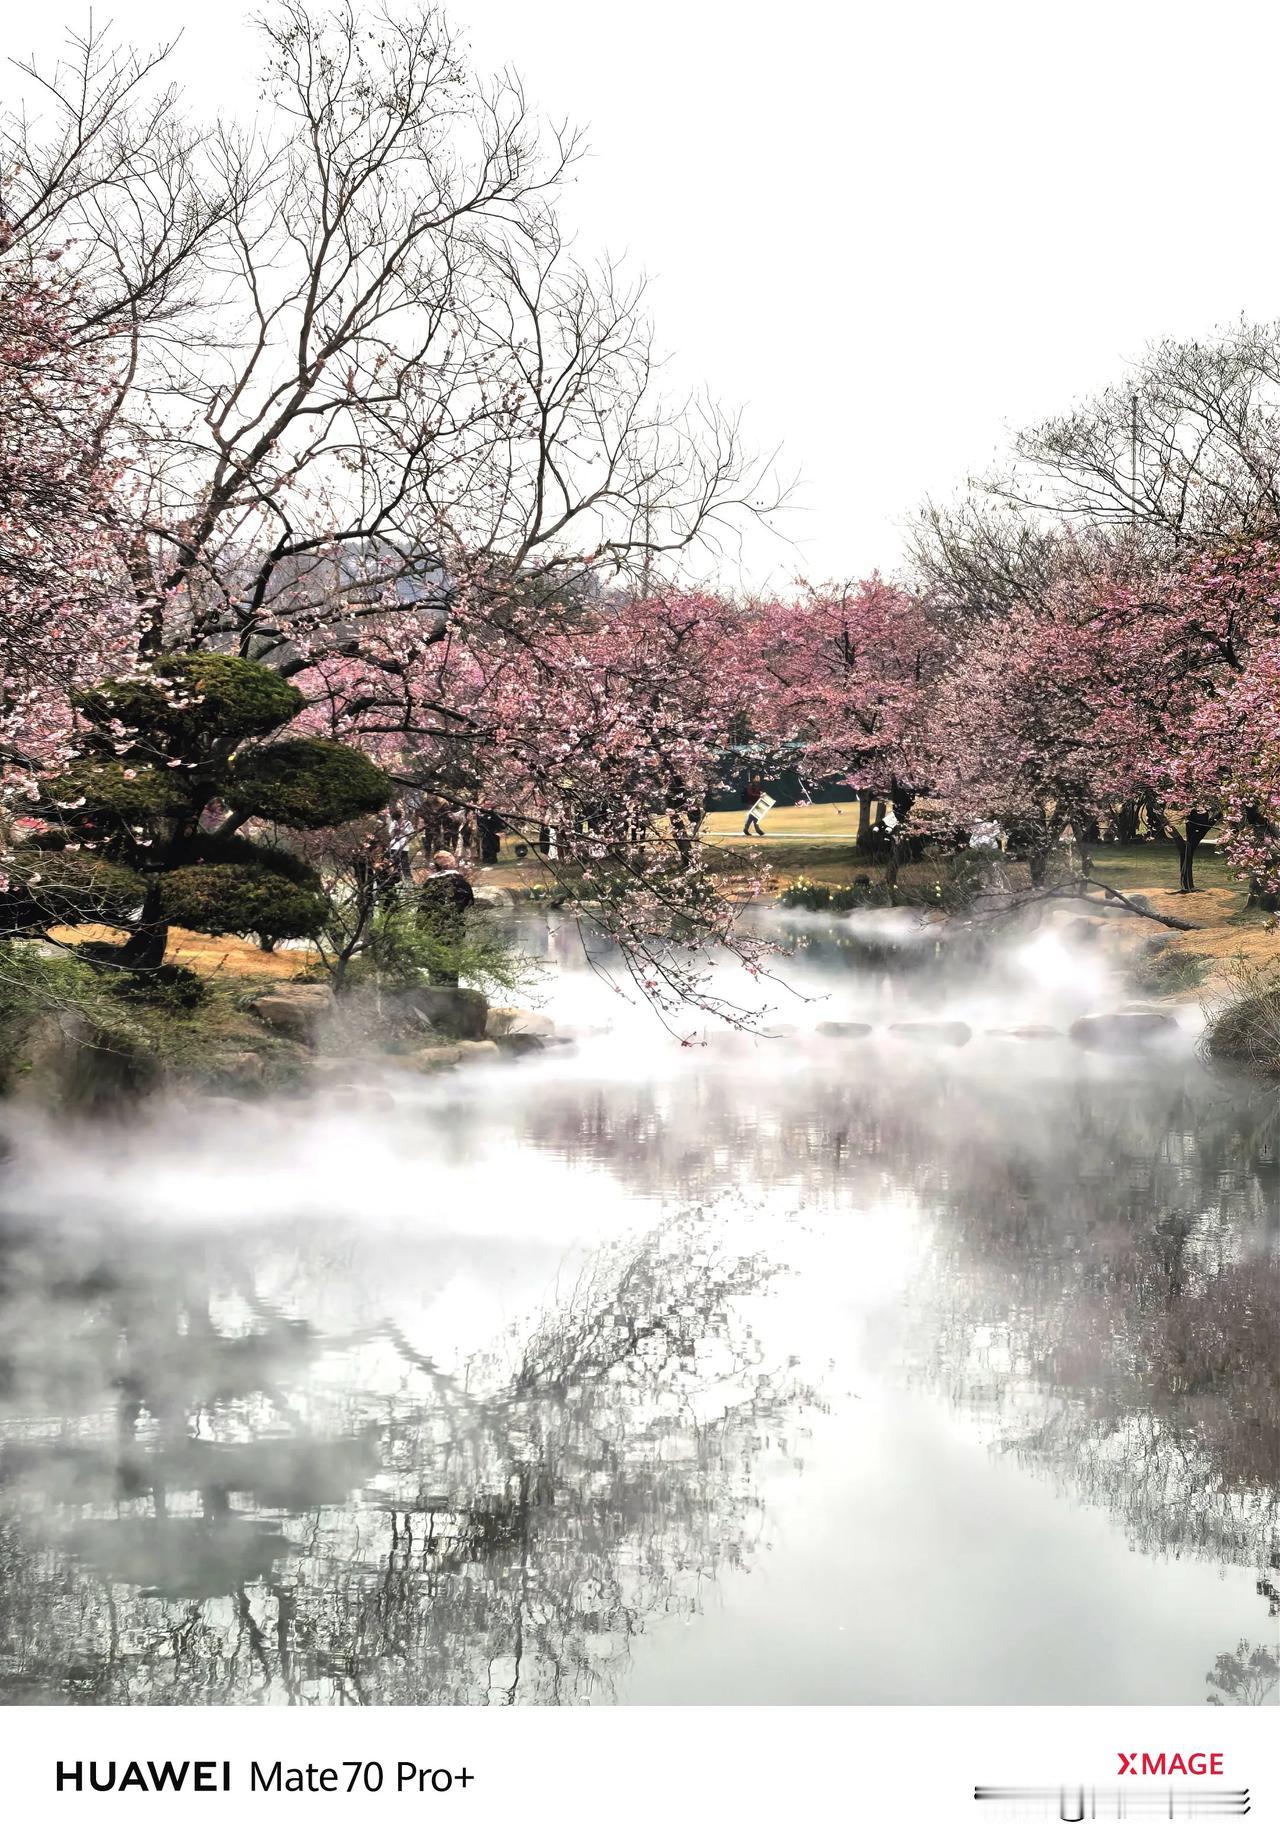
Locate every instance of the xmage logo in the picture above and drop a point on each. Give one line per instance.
(1170, 1764)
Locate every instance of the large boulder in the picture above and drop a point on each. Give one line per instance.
(844, 1029)
(298, 1009)
(515, 1045)
(471, 1051)
(362, 1096)
(936, 1032)
(237, 1068)
(492, 898)
(457, 1013)
(65, 1062)
(436, 1058)
(1133, 1029)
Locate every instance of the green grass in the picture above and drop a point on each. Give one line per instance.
(1153, 863)
(818, 842)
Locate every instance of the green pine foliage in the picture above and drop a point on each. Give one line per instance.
(308, 783)
(128, 840)
(240, 901)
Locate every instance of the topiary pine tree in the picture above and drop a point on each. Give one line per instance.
(143, 829)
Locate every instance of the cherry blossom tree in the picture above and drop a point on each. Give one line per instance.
(597, 736)
(65, 611)
(842, 676)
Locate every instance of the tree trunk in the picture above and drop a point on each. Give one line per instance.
(149, 938)
(864, 819)
(1195, 828)
(1186, 863)
(1081, 832)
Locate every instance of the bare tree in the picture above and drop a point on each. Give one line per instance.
(977, 557)
(1186, 447)
(358, 364)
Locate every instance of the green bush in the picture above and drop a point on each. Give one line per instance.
(171, 986)
(208, 697)
(1159, 969)
(110, 790)
(239, 850)
(400, 947)
(308, 783)
(810, 895)
(240, 901)
(161, 749)
(48, 886)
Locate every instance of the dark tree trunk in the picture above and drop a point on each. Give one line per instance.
(1189, 837)
(1157, 822)
(864, 819)
(1084, 839)
(1125, 821)
(149, 938)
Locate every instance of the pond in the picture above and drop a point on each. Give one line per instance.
(705, 1367)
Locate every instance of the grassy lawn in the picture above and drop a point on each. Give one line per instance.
(817, 842)
(1149, 864)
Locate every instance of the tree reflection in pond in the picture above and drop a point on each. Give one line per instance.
(183, 1522)
(1102, 1291)
(236, 1477)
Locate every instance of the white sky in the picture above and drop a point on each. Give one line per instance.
(889, 230)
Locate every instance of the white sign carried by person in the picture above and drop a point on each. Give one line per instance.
(761, 808)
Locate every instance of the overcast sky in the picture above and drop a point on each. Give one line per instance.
(889, 230)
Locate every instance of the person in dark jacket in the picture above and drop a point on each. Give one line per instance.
(445, 897)
(490, 836)
(753, 792)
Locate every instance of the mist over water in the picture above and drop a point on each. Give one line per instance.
(675, 1364)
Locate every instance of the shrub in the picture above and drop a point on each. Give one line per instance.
(810, 895)
(48, 886)
(1160, 969)
(1244, 1026)
(170, 986)
(239, 901)
(194, 700)
(400, 948)
(164, 747)
(308, 783)
(238, 850)
(107, 789)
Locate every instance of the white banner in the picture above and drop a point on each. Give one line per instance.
(632, 1778)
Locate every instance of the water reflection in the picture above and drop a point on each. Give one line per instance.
(181, 1524)
(478, 1399)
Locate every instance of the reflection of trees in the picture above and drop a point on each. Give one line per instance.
(203, 1501)
(1244, 1677)
(1112, 1292)
(1106, 1287)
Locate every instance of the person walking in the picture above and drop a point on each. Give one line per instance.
(754, 791)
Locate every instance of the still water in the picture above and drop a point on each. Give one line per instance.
(791, 1368)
